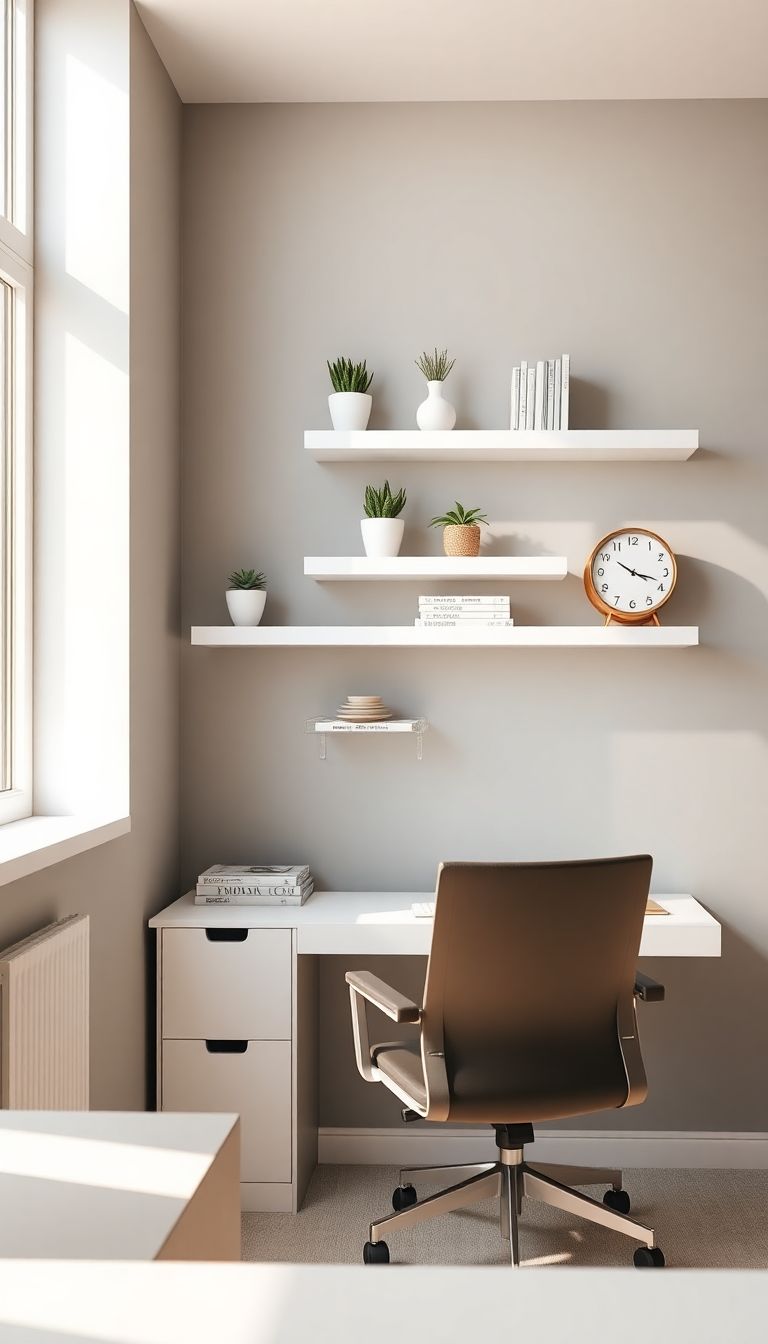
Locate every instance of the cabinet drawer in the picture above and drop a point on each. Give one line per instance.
(255, 1082)
(238, 989)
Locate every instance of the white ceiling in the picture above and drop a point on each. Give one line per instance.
(219, 51)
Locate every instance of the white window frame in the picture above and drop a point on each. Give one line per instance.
(16, 271)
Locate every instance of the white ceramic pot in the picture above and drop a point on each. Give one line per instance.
(382, 536)
(246, 605)
(436, 412)
(350, 410)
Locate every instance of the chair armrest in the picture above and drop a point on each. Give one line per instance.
(650, 991)
(383, 997)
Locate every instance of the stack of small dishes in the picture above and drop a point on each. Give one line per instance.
(364, 709)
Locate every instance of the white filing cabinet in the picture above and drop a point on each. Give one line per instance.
(233, 1003)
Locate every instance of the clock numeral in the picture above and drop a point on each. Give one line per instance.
(661, 555)
(604, 588)
(632, 604)
(660, 588)
(616, 545)
(616, 601)
(600, 573)
(605, 557)
(665, 575)
(650, 545)
(633, 540)
(649, 601)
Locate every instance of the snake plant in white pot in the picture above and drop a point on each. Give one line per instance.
(382, 527)
(350, 402)
(246, 596)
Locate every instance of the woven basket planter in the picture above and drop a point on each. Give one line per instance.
(461, 540)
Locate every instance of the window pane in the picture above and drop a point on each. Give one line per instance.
(6, 538)
(5, 87)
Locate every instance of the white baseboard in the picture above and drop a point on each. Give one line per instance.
(628, 1148)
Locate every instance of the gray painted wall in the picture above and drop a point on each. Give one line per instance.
(631, 235)
(122, 883)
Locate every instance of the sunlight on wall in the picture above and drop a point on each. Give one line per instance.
(96, 183)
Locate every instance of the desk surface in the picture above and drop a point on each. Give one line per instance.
(381, 923)
(100, 1185)
(335, 1304)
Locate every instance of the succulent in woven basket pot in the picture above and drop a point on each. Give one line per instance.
(461, 532)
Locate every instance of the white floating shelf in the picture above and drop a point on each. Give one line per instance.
(322, 727)
(384, 726)
(502, 445)
(362, 567)
(410, 636)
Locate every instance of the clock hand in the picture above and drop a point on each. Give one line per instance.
(645, 576)
(623, 566)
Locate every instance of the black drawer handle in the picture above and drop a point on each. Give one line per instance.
(226, 935)
(226, 1047)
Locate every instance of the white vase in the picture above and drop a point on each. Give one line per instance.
(436, 412)
(246, 605)
(382, 536)
(350, 410)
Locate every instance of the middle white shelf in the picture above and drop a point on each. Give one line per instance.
(443, 567)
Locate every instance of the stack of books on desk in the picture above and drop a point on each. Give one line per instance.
(259, 884)
(443, 612)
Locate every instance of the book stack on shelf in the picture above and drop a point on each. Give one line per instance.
(260, 884)
(541, 394)
(440, 613)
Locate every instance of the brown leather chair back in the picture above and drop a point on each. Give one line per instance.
(530, 984)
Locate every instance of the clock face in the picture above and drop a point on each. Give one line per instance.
(633, 573)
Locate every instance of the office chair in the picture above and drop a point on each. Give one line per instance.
(528, 1015)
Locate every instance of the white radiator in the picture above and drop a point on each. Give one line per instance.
(44, 1019)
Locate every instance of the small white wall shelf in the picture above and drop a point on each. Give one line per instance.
(325, 726)
(410, 636)
(502, 445)
(404, 567)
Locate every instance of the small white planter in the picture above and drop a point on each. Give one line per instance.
(350, 410)
(436, 412)
(246, 605)
(382, 536)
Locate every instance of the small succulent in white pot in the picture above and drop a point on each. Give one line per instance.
(350, 402)
(461, 533)
(246, 596)
(382, 527)
(435, 412)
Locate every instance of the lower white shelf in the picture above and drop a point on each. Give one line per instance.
(327, 726)
(410, 636)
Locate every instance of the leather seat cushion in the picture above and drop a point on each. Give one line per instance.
(402, 1063)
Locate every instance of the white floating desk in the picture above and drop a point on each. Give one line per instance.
(237, 1010)
(112, 1185)
(381, 923)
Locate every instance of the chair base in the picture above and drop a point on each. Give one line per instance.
(510, 1180)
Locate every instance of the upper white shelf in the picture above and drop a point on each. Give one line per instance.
(411, 636)
(502, 445)
(361, 567)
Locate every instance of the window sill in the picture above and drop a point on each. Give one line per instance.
(37, 842)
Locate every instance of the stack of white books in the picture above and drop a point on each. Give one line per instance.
(463, 609)
(541, 394)
(259, 884)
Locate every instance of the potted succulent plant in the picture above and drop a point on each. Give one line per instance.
(461, 534)
(382, 527)
(435, 412)
(246, 596)
(350, 402)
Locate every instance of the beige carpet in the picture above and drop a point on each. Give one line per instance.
(702, 1218)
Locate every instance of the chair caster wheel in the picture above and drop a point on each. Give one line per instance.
(375, 1253)
(649, 1257)
(618, 1200)
(403, 1197)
